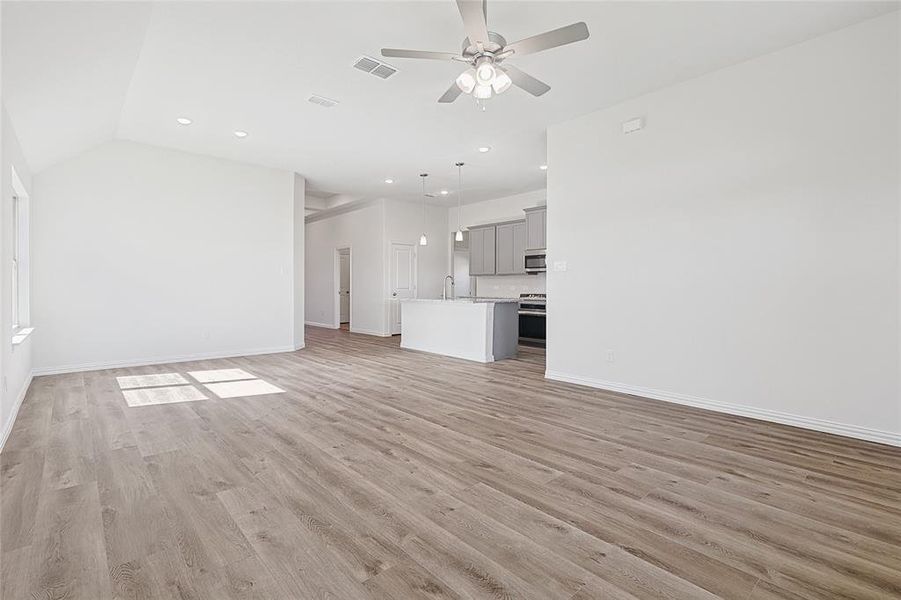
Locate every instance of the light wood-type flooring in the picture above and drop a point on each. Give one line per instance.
(383, 473)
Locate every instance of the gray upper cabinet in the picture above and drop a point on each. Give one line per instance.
(482, 250)
(511, 247)
(536, 226)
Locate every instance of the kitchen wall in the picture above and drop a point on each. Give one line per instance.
(143, 254)
(404, 223)
(368, 229)
(15, 361)
(741, 252)
(493, 211)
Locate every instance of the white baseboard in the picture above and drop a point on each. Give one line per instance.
(473, 357)
(853, 431)
(160, 360)
(7, 429)
(323, 325)
(369, 332)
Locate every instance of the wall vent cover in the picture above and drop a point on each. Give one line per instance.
(322, 101)
(375, 67)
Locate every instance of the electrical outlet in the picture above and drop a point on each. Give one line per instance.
(611, 356)
(560, 265)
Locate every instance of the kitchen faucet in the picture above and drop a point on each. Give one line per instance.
(444, 291)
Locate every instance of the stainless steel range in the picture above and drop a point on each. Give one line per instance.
(532, 313)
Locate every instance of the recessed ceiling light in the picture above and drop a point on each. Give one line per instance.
(543, 167)
(241, 134)
(184, 121)
(444, 192)
(484, 149)
(389, 180)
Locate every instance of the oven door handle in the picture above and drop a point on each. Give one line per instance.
(534, 313)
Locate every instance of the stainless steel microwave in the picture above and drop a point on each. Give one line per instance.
(536, 261)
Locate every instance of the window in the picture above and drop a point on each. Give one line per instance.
(19, 267)
(15, 266)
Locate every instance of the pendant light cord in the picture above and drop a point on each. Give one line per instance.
(459, 196)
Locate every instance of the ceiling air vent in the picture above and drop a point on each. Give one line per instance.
(375, 67)
(322, 101)
(384, 71)
(366, 64)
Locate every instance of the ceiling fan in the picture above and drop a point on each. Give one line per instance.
(485, 50)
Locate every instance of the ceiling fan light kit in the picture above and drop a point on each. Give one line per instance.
(485, 50)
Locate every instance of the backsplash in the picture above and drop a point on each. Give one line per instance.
(509, 286)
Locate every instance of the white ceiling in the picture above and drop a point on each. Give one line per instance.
(77, 74)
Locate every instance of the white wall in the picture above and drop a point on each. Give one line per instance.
(143, 254)
(742, 251)
(493, 211)
(404, 223)
(368, 230)
(15, 361)
(362, 231)
(298, 230)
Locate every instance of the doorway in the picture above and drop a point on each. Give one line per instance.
(402, 283)
(343, 279)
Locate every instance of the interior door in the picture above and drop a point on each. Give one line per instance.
(344, 287)
(403, 280)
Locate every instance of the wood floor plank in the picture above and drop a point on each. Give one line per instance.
(106, 410)
(608, 561)
(135, 521)
(206, 534)
(68, 557)
(21, 475)
(408, 580)
(303, 567)
(385, 473)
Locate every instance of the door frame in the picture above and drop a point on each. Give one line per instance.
(337, 287)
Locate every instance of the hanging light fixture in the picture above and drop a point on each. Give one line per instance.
(423, 240)
(459, 235)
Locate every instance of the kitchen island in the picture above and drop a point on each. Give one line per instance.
(479, 329)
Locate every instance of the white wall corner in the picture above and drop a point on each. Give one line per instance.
(11, 420)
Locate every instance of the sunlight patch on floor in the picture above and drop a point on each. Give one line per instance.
(162, 395)
(233, 389)
(156, 379)
(216, 375)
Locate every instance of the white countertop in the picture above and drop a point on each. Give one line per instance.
(465, 300)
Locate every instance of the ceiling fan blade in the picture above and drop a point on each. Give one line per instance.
(550, 39)
(474, 20)
(523, 80)
(451, 94)
(397, 53)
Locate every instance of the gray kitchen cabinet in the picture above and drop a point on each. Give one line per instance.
(511, 247)
(536, 226)
(482, 250)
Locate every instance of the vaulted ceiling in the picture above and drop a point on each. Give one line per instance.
(78, 74)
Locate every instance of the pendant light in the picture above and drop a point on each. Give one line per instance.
(459, 235)
(423, 241)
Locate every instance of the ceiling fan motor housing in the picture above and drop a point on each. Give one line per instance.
(495, 44)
